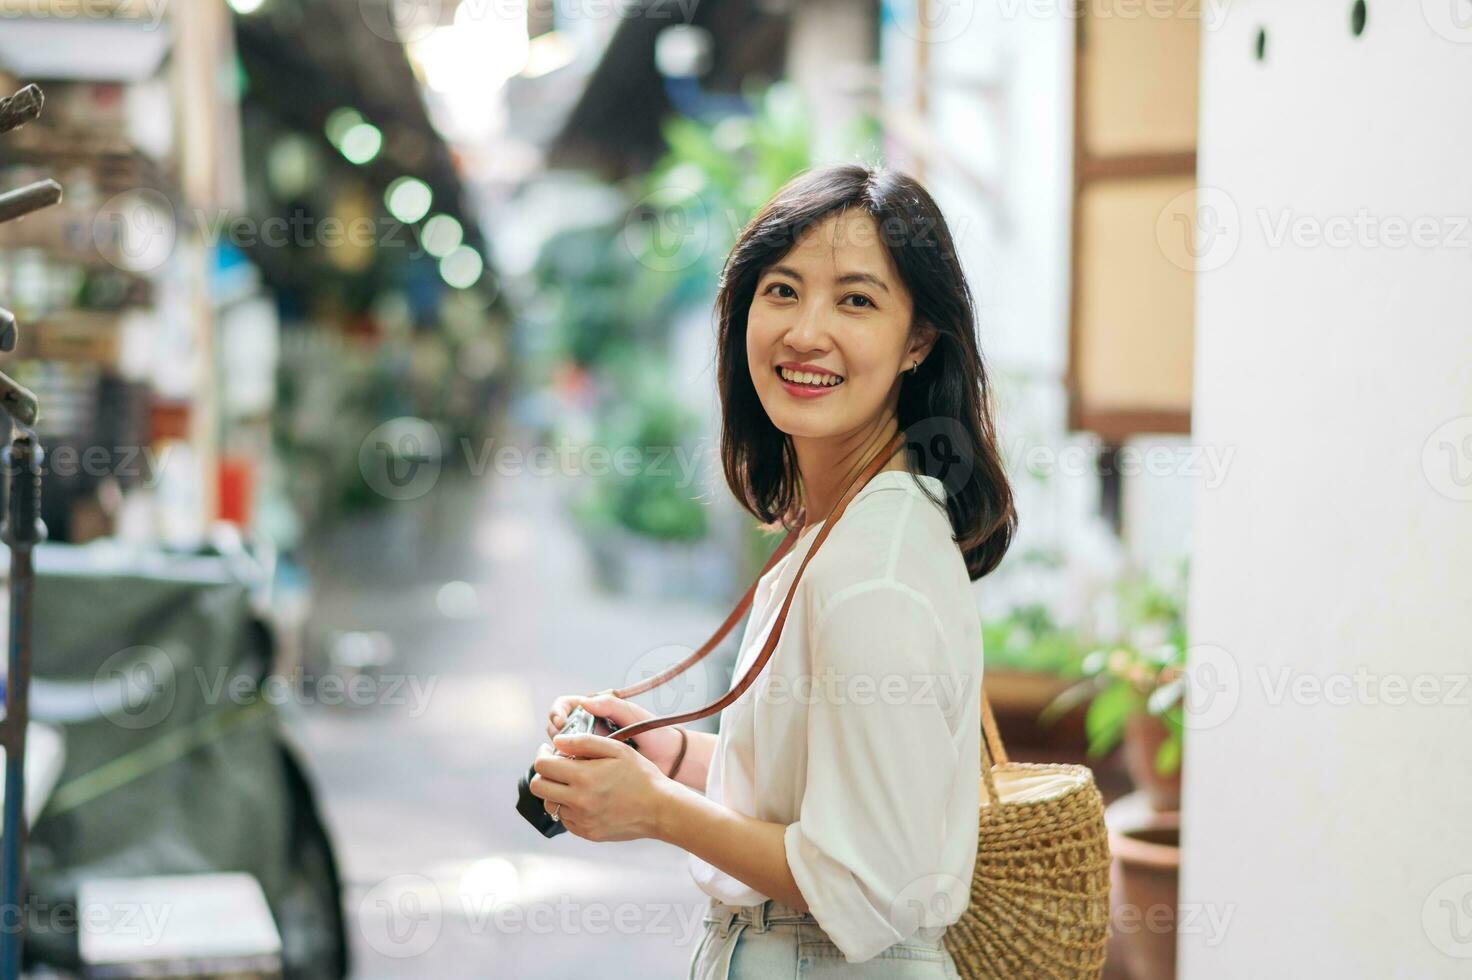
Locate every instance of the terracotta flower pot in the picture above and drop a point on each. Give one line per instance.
(1017, 698)
(1145, 878)
(1143, 735)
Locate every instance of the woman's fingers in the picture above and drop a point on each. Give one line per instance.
(549, 783)
(557, 768)
(550, 774)
(550, 792)
(587, 747)
(557, 715)
(622, 713)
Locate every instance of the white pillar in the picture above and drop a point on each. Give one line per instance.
(1327, 810)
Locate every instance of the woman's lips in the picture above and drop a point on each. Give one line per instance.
(804, 391)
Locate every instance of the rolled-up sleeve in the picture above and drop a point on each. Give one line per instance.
(882, 764)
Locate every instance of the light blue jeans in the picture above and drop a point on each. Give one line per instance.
(772, 941)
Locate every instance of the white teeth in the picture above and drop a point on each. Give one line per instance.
(809, 378)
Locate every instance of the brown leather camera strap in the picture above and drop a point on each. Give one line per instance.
(855, 485)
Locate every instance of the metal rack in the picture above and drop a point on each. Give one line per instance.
(21, 530)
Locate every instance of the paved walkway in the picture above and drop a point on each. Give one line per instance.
(443, 878)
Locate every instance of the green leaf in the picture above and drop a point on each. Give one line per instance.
(1168, 756)
(1107, 715)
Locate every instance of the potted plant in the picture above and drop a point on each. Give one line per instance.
(1134, 697)
(1135, 687)
(1145, 880)
(1134, 684)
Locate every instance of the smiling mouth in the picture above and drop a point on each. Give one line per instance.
(808, 379)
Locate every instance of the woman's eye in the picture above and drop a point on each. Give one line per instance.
(780, 285)
(864, 300)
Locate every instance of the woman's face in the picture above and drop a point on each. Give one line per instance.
(834, 306)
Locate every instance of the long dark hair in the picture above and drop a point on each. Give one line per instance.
(945, 408)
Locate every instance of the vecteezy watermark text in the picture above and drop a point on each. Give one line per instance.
(1207, 463)
(124, 462)
(151, 11)
(409, 21)
(1364, 686)
(402, 916)
(143, 921)
(402, 459)
(137, 687)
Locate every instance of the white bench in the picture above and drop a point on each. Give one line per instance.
(178, 926)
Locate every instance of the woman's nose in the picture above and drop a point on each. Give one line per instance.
(808, 332)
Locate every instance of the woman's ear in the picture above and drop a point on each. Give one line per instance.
(922, 339)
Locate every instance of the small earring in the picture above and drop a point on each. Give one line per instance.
(916, 368)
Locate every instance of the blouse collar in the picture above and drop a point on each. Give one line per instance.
(885, 478)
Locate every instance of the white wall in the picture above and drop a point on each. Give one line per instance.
(1337, 836)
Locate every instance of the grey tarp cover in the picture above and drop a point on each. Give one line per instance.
(167, 655)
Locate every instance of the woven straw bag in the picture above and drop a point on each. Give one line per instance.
(1040, 892)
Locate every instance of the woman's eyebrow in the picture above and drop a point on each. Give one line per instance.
(847, 277)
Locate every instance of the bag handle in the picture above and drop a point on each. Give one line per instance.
(993, 752)
(639, 728)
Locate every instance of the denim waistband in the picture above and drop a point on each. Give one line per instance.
(730, 921)
(757, 917)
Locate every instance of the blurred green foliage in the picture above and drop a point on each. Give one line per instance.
(652, 497)
(1139, 671)
(734, 166)
(1029, 639)
(616, 290)
(605, 307)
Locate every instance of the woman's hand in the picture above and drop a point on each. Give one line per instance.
(607, 791)
(659, 745)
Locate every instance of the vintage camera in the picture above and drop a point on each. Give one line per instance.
(579, 722)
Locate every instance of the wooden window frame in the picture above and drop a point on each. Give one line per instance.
(1113, 426)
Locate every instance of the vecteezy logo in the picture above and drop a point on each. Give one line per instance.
(136, 230)
(686, 692)
(944, 448)
(927, 902)
(1446, 916)
(1451, 19)
(134, 688)
(401, 459)
(401, 916)
(1199, 230)
(1213, 686)
(1446, 459)
(667, 229)
(401, 21)
(933, 21)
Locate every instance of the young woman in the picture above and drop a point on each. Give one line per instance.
(833, 820)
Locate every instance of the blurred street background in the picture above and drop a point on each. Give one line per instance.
(374, 347)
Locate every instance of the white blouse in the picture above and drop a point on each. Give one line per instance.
(862, 735)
